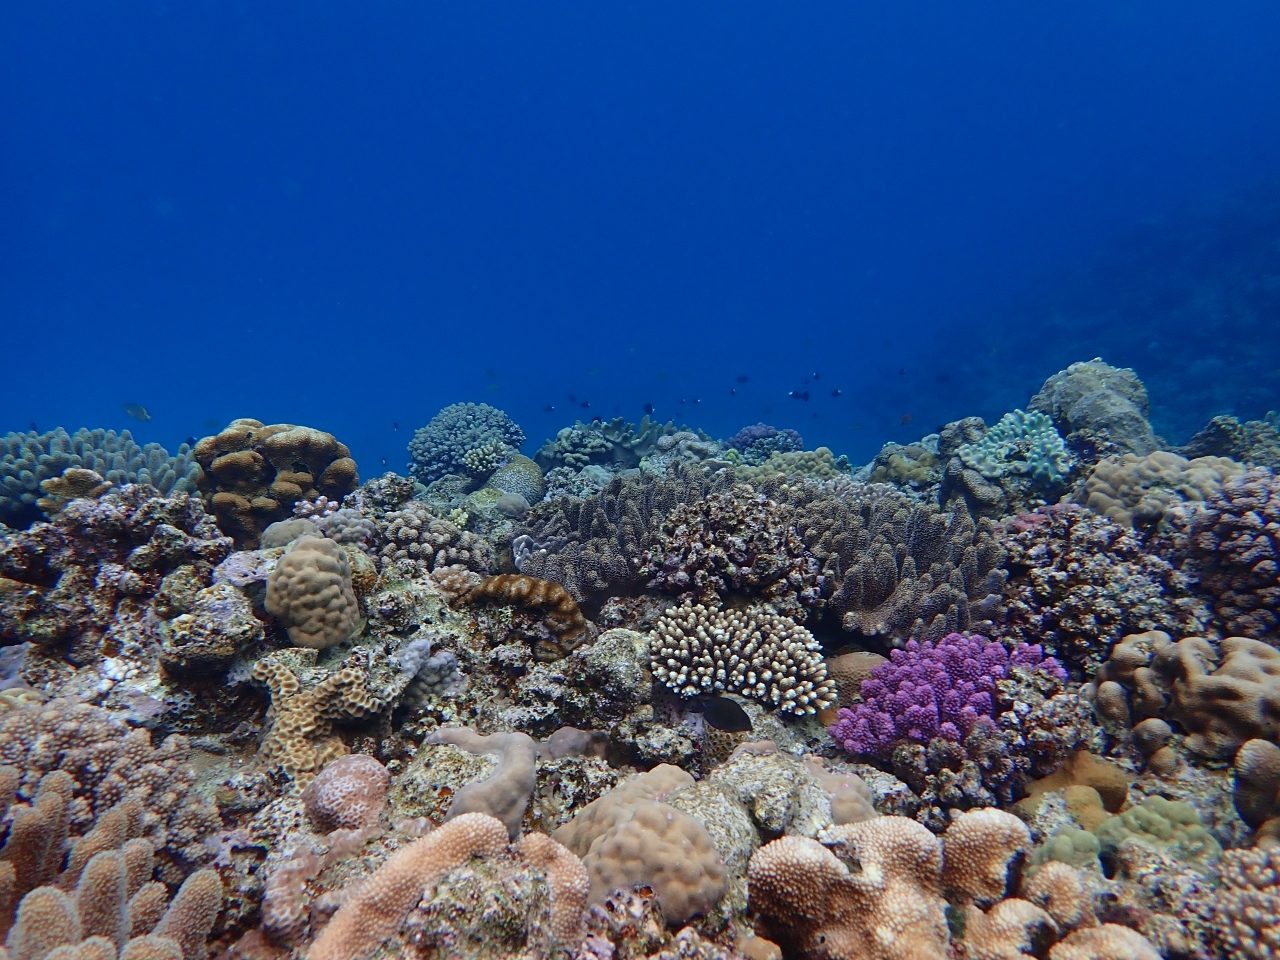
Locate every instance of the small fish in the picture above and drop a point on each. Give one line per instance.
(648, 409)
(549, 408)
(384, 461)
(799, 394)
(137, 411)
(723, 714)
(733, 391)
(190, 441)
(742, 378)
(902, 371)
(585, 404)
(816, 375)
(33, 426)
(836, 392)
(905, 419)
(573, 399)
(395, 425)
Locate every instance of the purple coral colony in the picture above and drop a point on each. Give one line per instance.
(1009, 691)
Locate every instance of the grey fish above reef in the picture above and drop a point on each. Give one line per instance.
(137, 411)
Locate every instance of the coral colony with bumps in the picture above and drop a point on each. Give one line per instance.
(1011, 691)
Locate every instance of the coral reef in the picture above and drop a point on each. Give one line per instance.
(1100, 409)
(1233, 548)
(99, 580)
(30, 460)
(697, 650)
(480, 431)
(252, 474)
(672, 699)
(1079, 582)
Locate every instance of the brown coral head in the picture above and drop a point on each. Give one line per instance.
(559, 611)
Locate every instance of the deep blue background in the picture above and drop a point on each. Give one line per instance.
(350, 215)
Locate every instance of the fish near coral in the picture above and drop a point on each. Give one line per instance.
(559, 611)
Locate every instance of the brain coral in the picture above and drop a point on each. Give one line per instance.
(310, 592)
(441, 447)
(253, 474)
(629, 836)
(756, 653)
(28, 460)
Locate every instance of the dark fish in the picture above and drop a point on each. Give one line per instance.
(395, 424)
(585, 404)
(723, 714)
(902, 371)
(190, 441)
(137, 411)
(549, 408)
(799, 394)
(573, 399)
(905, 419)
(648, 409)
(33, 426)
(733, 391)
(816, 375)
(742, 378)
(836, 392)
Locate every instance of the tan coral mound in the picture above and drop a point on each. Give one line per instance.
(1142, 491)
(375, 911)
(310, 592)
(252, 474)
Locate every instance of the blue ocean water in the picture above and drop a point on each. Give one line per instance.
(349, 217)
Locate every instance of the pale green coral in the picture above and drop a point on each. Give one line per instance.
(1172, 825)
(1020, 443)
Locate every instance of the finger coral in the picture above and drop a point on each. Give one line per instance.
(696, 650)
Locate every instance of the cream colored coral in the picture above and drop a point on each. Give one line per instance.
(1142, 491)
(756, 653)
(979, 847)
(629, 836)
(1060, 891)
(1010, 930)
(310, 592)
(568, 882)
(376, 910)
(1107, 942)
(876, 895)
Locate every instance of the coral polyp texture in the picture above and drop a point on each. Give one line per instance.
(468, 439)
(252, 474)
(1009, 691)
(696, 650)
(930, 690)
